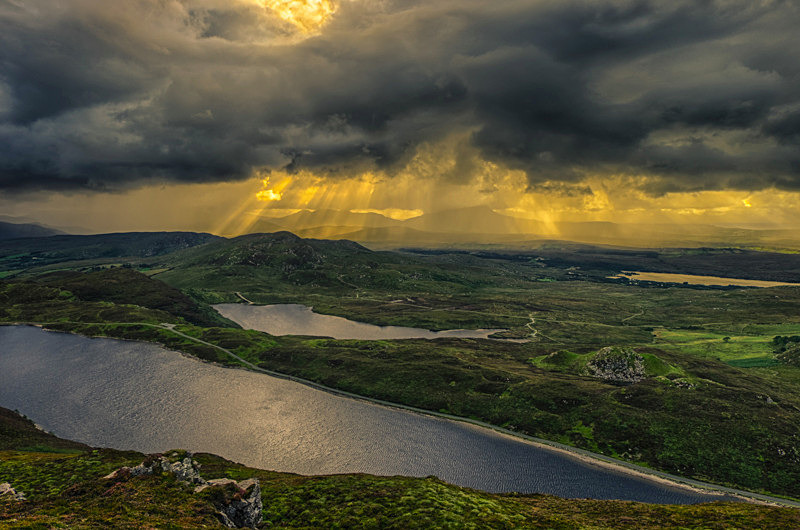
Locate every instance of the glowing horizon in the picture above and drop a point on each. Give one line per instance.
(237, 208)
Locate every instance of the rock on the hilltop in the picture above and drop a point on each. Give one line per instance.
(185, 470)
(239, 503)
(617, 365)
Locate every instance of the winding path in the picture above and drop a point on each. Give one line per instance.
(530, 324)
(240, 295)
(639, 314)
(535, 332)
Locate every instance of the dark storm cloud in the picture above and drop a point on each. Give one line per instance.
(785, 128)
(105, 95)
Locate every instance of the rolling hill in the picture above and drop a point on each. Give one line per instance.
(23, 230)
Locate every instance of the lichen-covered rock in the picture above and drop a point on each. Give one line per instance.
(7, 491)
(239, 503)
(185, 470)
(617, 365)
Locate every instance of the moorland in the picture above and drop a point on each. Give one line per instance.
(710, 375)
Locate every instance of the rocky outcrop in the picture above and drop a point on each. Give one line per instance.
(684, 383)
(7, 491)
(185, 469)
(617, 365)
(239, 504)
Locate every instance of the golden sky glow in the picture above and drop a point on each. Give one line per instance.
(240, 207)
(440, 176)
(448, 175)
(307, 15)
(272, 192)
(399, 214)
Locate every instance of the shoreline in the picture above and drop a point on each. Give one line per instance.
(582, 455)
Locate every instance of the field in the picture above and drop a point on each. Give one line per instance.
(714, 401)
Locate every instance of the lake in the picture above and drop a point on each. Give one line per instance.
(132, 395)
(668, 277)
(296, 319)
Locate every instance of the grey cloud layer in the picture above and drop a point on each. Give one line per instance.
(105, 95)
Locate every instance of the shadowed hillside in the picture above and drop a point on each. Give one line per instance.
(16, 230)
(20, 254)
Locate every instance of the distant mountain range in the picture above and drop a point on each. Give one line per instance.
(482, 226)
(285, 259)
(308, 219)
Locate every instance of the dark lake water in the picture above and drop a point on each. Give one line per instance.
(296, 319)
(131, 395)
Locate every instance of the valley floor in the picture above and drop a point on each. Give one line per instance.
(704, 382)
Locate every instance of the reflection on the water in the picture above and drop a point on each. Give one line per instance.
(296, 319)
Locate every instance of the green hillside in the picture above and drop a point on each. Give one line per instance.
(19, 255)
(703, 392)
(685, 413)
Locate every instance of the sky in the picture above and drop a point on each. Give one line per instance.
(211, 114)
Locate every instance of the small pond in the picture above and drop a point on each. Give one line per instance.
(296, 319)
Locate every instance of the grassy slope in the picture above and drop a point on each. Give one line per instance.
(110, 295)
(64, 485)
(127, 286)
(722, 428)
(729, 425)
(20, 254)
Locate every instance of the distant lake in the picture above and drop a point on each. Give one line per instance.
(132, 395)
(698, 280)
(296, 319)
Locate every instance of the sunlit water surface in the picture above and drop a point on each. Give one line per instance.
(296, 319)
(132, 395)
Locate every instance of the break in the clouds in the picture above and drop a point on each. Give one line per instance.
(696, 95)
